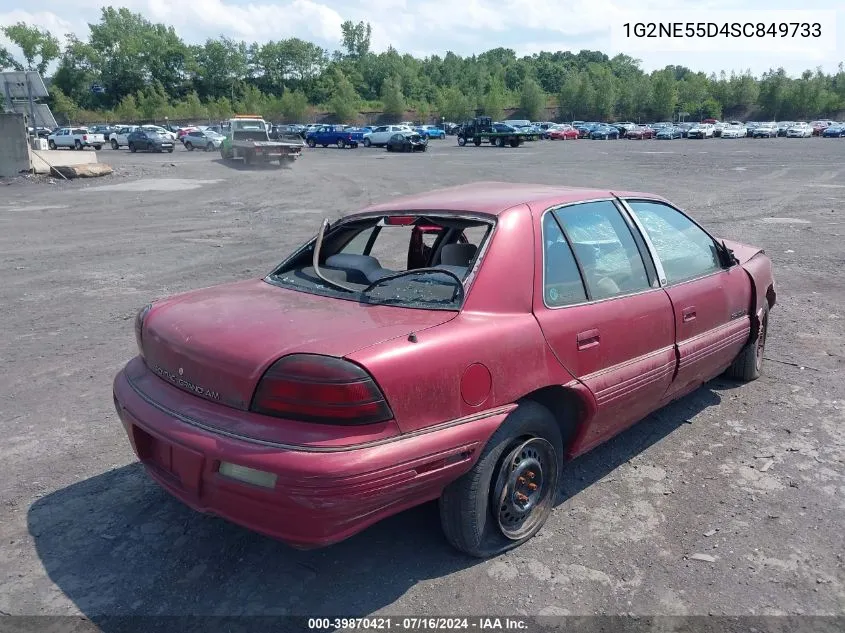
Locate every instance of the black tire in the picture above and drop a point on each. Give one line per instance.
(115, 144)
(477, 141)
(462, 141)
(311, 142)
(51, 144)
(748, 364)
(467, 504)
(169, 150)
(97, 148)
(324, 144)
(366, 142)
(132, 148)
(341, 144)
(514, 142)
(209, 147)
(189, 146)
(77, 145)
(248, 159)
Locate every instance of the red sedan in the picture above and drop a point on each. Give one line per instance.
(458, 345)
(563, 133)
(640, 132)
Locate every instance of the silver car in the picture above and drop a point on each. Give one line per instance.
(202, 139)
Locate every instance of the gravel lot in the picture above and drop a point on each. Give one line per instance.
(759, 468)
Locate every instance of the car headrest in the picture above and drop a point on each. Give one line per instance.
(457, 254)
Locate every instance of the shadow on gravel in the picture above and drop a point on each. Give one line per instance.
(239, 165)
(119, 546)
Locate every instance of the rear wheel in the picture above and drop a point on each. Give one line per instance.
(51, 144)
(114, 144)
(209, 147)
(366, 142)
(77, 145)
(477, 141)
(748, 364)
(189, 146)
(132, 148)
(514, 142)
(507, 496)
(462, 141)
(341, 144)
(500, 142)
(98, 148)
(311, 142)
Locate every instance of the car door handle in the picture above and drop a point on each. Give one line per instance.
(689, 314)
(588, 339)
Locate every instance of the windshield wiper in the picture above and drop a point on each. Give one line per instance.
(419, 271)
(316, 261)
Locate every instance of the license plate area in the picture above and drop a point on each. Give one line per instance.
(181, 465)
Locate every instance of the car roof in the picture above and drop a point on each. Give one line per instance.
(494, 198)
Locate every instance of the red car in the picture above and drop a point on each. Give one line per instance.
(640, 132)
(820, 126)
(563, 133)
(458, 345)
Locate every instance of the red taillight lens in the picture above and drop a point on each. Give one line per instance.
(324, 389)
(139, 327)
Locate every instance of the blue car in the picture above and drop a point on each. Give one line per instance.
(430, 131)
(837, 130)
(604, 133)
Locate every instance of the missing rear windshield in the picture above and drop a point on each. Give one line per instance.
(412, 261)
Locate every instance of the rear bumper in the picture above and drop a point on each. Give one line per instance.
(320, 496)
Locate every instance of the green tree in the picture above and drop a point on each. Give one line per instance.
(192, 108)
(604, 83)
(453, 104)
(220, 67)
(664, 95)
(294, 105)
(62, 106)
(153, 102)
(127, 110)
(493, 102)
(345, 101)
(356, 38)
(532, 100)
(392, 98)
(7, 61)
(38, 46)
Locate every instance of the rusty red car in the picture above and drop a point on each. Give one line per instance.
(459, 345)
(640, 132)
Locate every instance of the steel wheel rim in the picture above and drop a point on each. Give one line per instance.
(761, 341)
(524, 489)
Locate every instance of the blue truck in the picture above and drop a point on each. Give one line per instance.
(341, 135)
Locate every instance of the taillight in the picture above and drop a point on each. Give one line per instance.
(139, 327)
(84, 137)
(323, 389)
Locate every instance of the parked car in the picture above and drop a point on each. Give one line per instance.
(327, 135)
(700, 131)
(799, 130)
(820, 126)
(103, 129)
(202, 139)
(406, 142)
(75, 138)
(669, 132)
(584, 129)
(356, 380)
(149, 141)
(640, 132)
(750, 126)
(837, 130)
(766, 130)
(120, 137)
(783, 127)
(431, 131)
(562, 132)
(157, 129)
(734, 131)
(380, 135)
(604, 133)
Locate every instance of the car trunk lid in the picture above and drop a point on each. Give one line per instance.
(217, 342)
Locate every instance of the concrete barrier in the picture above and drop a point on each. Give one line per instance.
(14, 145)
(44, 161)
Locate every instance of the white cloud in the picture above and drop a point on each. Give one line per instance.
(433, 26)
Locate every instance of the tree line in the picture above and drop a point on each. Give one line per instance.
(131, 69)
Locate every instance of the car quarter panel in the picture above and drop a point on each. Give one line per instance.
(452, 370)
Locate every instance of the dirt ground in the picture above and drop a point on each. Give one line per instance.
(759, 468)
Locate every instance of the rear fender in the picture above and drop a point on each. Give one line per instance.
(763, 293)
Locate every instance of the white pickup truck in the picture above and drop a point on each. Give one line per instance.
(119, 138)
(75, 138)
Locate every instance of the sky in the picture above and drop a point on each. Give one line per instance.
(466, 27)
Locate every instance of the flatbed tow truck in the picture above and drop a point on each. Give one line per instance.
(481, 129)
(248, 139)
